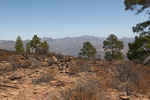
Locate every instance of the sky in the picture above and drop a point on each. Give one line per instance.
(66, 18)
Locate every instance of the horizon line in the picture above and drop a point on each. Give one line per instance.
(65, 37)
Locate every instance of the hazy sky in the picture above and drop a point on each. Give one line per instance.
(65, 18)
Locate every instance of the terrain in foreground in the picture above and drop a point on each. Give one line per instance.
(58, 77)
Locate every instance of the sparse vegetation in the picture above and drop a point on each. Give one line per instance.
(43, 48)
(35, 43)
(112, 47)
(28, 47)
(126, 77)
(82, 65)
(85, 80)
(46, 78)
(83, 91)
(88, 51)
(139, 50)
(38, 74)
(19, 45)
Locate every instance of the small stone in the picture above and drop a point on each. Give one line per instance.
(34, 92)
(54, 59)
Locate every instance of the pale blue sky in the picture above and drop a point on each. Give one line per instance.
(65, 18)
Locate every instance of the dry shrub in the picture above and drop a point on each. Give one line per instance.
(16, 63)
(79, 66)
(89, 90)
(84, 90)
(24, 64)
(50, 62)
(34, 63)
(4, 58)
(95, 61)
(7, 52)
(82, 65)
(73, 69)
(5, 69)
(13, 64)
(143, 80)
(50, 54)
(58, 56)
(131, 77)
(126, 77)
(46, 78)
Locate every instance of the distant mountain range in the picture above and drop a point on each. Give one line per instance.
(70, 45)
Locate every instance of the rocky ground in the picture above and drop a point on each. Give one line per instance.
(56, 77)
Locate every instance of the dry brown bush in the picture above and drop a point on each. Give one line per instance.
(46, 78)
(126, 77)
(13, 65)
(82, 65)
(73, 69)
(17, 62)
(144, 79)
(50, 62)
(58, 56)
(89, 90)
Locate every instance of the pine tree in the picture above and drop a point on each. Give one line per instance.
(88, 51)
(139, 50)
(35, 43)
(19, 45)
(112, 47)
(138, 5)
(43, 48)
(28, 47)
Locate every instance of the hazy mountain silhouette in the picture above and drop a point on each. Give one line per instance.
(69, 45)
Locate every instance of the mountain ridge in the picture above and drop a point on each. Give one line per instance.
(69, 45)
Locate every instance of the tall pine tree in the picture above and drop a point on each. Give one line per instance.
(139, 50)
(112, 47)
(35, 43)
(19, 45)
